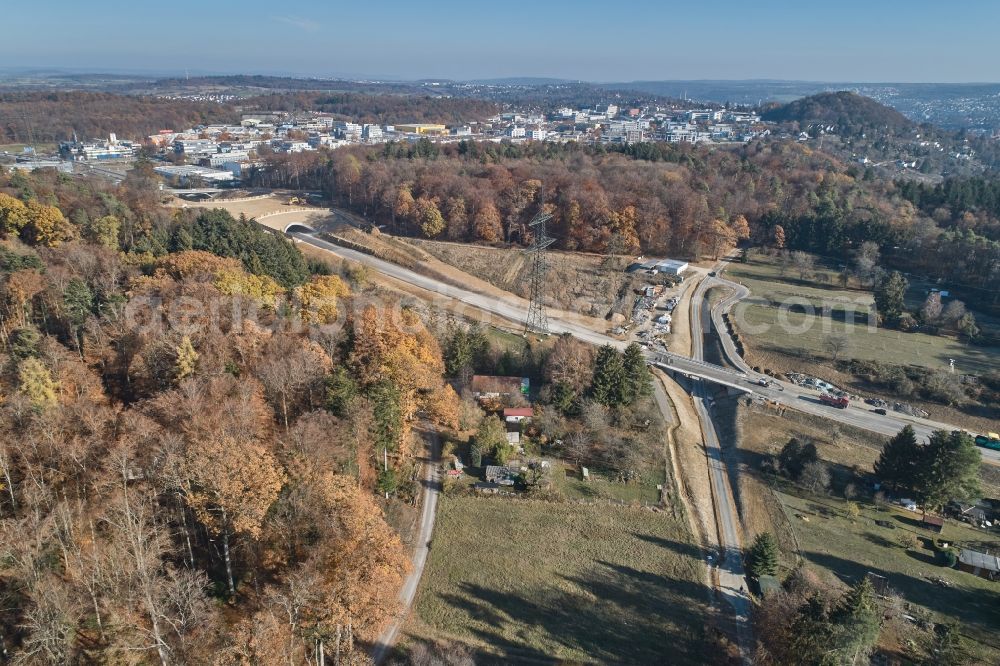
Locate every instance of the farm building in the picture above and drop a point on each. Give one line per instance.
(933, 523)
(983, 565)
(502, 476)
(765, 586)
(517, 414)
(491, 386)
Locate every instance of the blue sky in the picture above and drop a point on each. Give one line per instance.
(838, 40)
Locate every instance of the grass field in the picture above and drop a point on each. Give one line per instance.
(567, 482)
(846, 450)
(773, 330)
(585, 283)
(17, 148)
(847, 549)
(528, 581)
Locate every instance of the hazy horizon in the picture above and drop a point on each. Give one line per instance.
(858, 42)
(173, 73)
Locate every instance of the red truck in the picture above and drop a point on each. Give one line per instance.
(838, 401)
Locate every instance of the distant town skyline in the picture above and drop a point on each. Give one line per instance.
(852, 41)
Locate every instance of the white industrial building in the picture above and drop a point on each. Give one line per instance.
(93, 151)
(185, 172)
(668, 266)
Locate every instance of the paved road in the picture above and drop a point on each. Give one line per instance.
(425, 532)
(515, 309)
(732, 579)
(806, 399)
(512, 308)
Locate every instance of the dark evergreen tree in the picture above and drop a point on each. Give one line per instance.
(762, 557)
(949, 469)
(900, 461)
(857, 622)
(387, 481)
(465, 350)
(507, 364)
(890, 292)
(811, 633)
(387, 428)
(476, 454)
(638, 381)
(608, 386)
(795, 456)
(262, 253)
(24, 342)
(78, 303)
(12, 261)
(341, 390)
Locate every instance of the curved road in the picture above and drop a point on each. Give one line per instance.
(804, 399)
(732, 578)
(515, 309)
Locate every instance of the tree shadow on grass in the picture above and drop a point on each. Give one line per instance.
(880, 540)
(921, 556)
(906, 520)
(689, 549)
(613, 614)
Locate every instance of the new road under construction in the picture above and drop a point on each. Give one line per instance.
(530, 316)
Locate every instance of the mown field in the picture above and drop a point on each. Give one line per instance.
(525, 581)
(18, 148)
(772, 330)
(567, 481)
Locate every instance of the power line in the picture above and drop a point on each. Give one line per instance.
(537, 320)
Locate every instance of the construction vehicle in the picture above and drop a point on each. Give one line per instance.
(295, 200)
(838, 401)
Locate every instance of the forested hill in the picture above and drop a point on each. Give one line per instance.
(54, 116)
(849, 112)
(380, 108)
(50, 117)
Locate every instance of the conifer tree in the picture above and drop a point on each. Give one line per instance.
(608, 386)
(638, 382)
(899, 461)
(857, 622)
(950, 469)
(762, 558)
(35, 381)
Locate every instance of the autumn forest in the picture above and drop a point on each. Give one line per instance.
(189, 416)
(663, 199)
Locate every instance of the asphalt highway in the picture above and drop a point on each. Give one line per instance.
(791, 395)
(732, 578)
